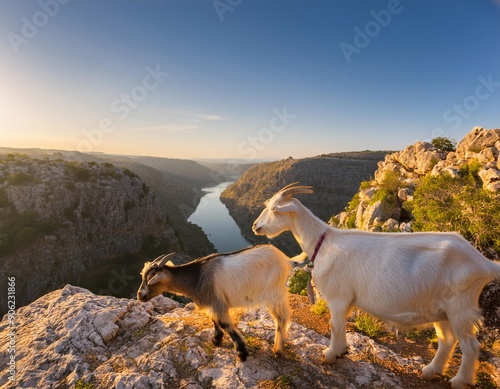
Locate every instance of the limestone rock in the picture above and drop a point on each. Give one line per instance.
(405, 193)
(476, 141)
(405, 227)
(391, 225)
(490, 179)
(414, 162)
(419, 157)
(381, 210)
(72, 336)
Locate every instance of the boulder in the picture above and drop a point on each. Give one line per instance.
(405, 193)
(405, 227)
(419, 157)
(379, 211)
(490, 179)
(476, 141)
(391, 225)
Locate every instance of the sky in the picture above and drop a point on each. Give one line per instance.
(245, 79)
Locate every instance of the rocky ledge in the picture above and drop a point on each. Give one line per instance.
(410, 166)
(72, 338)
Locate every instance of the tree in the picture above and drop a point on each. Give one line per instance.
(444, 144)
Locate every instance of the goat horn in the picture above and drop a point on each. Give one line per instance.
(162, 260)
(292, 189)
(158, 258)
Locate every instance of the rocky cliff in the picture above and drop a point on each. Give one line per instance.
(71, 338)
(383, 203)
(335, 178)
(82, 222)
(176, 184)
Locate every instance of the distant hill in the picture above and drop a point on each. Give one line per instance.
(226, 170)
(68, 218)
(178, 194)
(334, 177)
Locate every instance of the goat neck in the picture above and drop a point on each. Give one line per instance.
(307, 229)
(185, 279)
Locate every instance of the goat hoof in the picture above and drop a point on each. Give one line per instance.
(428, 373)
(216, 342)
(242, 355)
(342, 355)
(459, 383)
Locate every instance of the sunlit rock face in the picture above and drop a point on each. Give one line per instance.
(72, 336)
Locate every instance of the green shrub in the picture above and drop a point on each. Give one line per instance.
(20, 179)
(130, 173)
(130, 204)
(298, 282)
(365, 185)
(82, 174)
(81, 384)
(469, 173)
(369, 326)
(320, 307)
(390, 182)
(283, 382)
(388, 189)
(5, 243)
(26, 236)
(445, 203)
(47, 227)
(4, 200)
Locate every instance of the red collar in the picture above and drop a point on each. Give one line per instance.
(316, 249)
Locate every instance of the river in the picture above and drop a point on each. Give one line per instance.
(213, 217)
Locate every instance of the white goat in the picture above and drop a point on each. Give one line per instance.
(251, 277)
(405, 279)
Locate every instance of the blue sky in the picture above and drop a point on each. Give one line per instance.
(245, 78)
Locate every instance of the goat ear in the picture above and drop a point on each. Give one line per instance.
(284, 208)
(162, 276)
(170, 263)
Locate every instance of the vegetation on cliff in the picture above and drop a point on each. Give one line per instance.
(71, 220)
(334, 177)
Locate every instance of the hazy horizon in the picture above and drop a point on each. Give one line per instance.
(245, 80)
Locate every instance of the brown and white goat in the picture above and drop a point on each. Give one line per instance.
(405, 279)
(251, 277)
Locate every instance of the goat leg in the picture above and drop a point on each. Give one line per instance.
(217, 339)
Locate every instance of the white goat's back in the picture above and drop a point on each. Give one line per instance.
(406, 279)
(258, 274)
